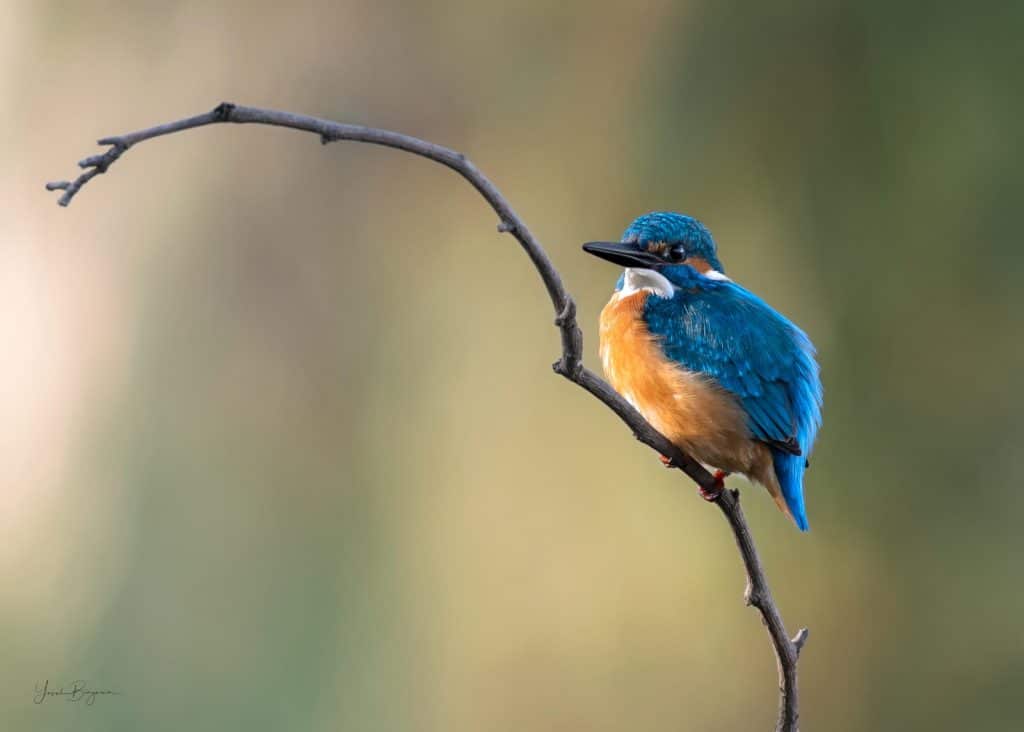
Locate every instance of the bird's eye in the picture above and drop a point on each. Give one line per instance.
(676, 253)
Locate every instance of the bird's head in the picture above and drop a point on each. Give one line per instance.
(662, 247)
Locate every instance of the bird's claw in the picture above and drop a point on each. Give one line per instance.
(712, 494)
(708, 494)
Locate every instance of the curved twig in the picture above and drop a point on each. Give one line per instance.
(570, 364)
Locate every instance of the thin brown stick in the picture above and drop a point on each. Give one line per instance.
(570, 365)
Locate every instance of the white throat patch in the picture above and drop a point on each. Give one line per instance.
(638, 280)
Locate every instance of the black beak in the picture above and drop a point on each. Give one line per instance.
(627, 254)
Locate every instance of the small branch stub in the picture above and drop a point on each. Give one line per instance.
(222, 112)
(799, 639)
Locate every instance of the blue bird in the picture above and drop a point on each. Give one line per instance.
(708, 363)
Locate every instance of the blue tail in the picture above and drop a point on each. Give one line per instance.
(789, 469)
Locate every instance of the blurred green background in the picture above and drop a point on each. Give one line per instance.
(282, 449)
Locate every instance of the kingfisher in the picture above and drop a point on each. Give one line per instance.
(708, 363)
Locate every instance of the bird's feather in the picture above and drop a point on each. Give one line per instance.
(719, 329)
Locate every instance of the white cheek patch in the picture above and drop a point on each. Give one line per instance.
(714, 274)
(639, 280)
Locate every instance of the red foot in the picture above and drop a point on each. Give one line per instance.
(713, 493)
(666, 461)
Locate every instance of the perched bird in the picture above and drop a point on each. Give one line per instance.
(708, 363)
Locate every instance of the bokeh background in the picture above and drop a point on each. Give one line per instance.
(281, 447)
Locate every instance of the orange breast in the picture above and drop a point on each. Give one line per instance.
(688, 408)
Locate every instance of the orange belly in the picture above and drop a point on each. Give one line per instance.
(688, 408)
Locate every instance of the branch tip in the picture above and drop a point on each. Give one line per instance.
(58, 185)
(93, 161)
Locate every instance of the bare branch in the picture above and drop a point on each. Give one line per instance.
(569, 365)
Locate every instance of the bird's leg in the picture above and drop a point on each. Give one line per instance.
(714, 492)
(710, 494)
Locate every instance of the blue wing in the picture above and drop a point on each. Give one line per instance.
(717, 328)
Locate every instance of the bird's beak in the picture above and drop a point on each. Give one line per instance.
(627, 254)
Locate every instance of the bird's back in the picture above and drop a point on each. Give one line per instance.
(718, 329)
